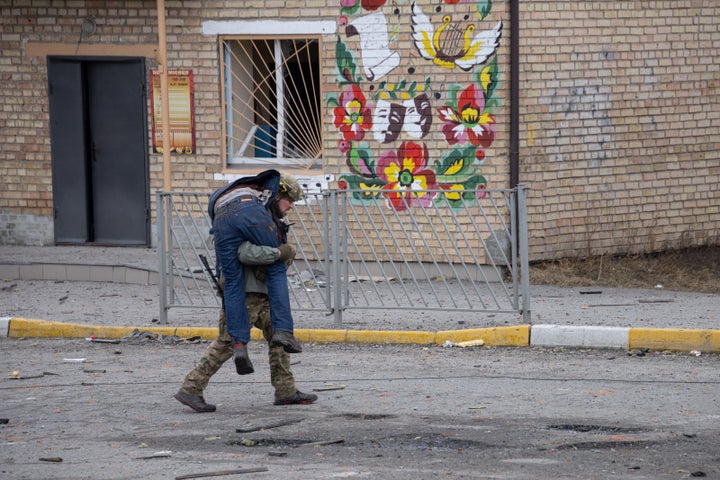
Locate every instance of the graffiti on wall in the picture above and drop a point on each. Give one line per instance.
(385, 126)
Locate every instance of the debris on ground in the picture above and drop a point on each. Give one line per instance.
(269, 425)
(138, 337)
(161, 454)
(221, 473)
(330, 387)
(322, 443)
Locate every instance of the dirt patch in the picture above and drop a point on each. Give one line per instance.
(687, 270)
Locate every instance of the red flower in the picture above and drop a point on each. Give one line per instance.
(352, 117)
(467, 120)
(372, 5)
(406, 176)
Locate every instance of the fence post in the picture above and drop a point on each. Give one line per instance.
(162, 251)
(523, 246)
(336, 299)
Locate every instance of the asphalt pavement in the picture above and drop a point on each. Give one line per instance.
(393, 403)
(76, 410)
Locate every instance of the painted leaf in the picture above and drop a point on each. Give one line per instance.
(464, 192)
(488, 78)
(452, 92)
(359, 161)
(483, 7)
(349, 8)
(332, 100)
(394, 33)
(456, 164)
(345, 63)
(363, 189)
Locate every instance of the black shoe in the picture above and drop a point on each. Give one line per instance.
(243, 365)
(297, 398)
(286, 339)
(196, 402)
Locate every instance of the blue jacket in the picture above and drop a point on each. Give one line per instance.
(267, 180)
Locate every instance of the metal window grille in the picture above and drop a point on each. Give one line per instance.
(271, 99)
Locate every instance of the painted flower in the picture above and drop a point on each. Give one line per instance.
(372, 5)
(352, 115)
(466, 120)
(406, 176)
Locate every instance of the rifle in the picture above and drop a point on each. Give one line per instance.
(210, 272)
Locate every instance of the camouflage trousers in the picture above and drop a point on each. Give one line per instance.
(220, 351)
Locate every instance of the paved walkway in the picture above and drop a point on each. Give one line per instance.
(107, 292)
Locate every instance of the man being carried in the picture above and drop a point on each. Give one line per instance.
(241, 211)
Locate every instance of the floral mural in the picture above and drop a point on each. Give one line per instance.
(385, 127)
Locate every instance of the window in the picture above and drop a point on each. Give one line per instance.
(271, 100)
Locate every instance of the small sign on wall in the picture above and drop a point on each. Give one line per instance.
(181, 109)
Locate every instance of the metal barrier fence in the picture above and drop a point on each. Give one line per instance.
(455, 254)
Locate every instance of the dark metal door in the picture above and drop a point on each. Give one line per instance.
(98, 131)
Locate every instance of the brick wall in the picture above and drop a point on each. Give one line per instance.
(620, 125)
(620, 119)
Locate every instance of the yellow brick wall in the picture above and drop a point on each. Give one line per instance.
(620, 129)
(619, 112)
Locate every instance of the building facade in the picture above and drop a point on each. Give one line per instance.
(608, 112)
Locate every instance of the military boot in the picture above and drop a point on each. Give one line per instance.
(297, 398)
(243, 365)
(196, 402)
(286, 340)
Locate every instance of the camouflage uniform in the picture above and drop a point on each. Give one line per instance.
(220, 351)
(253, 257)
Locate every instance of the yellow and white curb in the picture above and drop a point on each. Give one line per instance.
(673, 339)
(4, 326)
(514, 336)
(572, 336)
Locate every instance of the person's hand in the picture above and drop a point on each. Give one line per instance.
(260, 274)
(287, 253)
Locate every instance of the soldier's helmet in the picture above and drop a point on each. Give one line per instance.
(290, 187)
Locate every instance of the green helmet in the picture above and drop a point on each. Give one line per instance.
(290, 187)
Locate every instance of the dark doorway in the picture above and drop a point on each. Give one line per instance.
(98, 134)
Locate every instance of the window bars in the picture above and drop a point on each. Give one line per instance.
(271, 99)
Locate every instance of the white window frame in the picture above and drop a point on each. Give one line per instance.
(236, 151)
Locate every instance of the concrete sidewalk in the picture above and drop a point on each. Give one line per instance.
(40, 284)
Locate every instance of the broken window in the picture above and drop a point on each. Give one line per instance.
(271, 100)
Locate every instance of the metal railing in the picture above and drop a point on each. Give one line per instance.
(455, 254)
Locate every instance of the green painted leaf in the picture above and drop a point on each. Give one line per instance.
(483, 7)
(360, 162)
(456, 164)
(488, 78)
(346, 64)
(364, 189)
